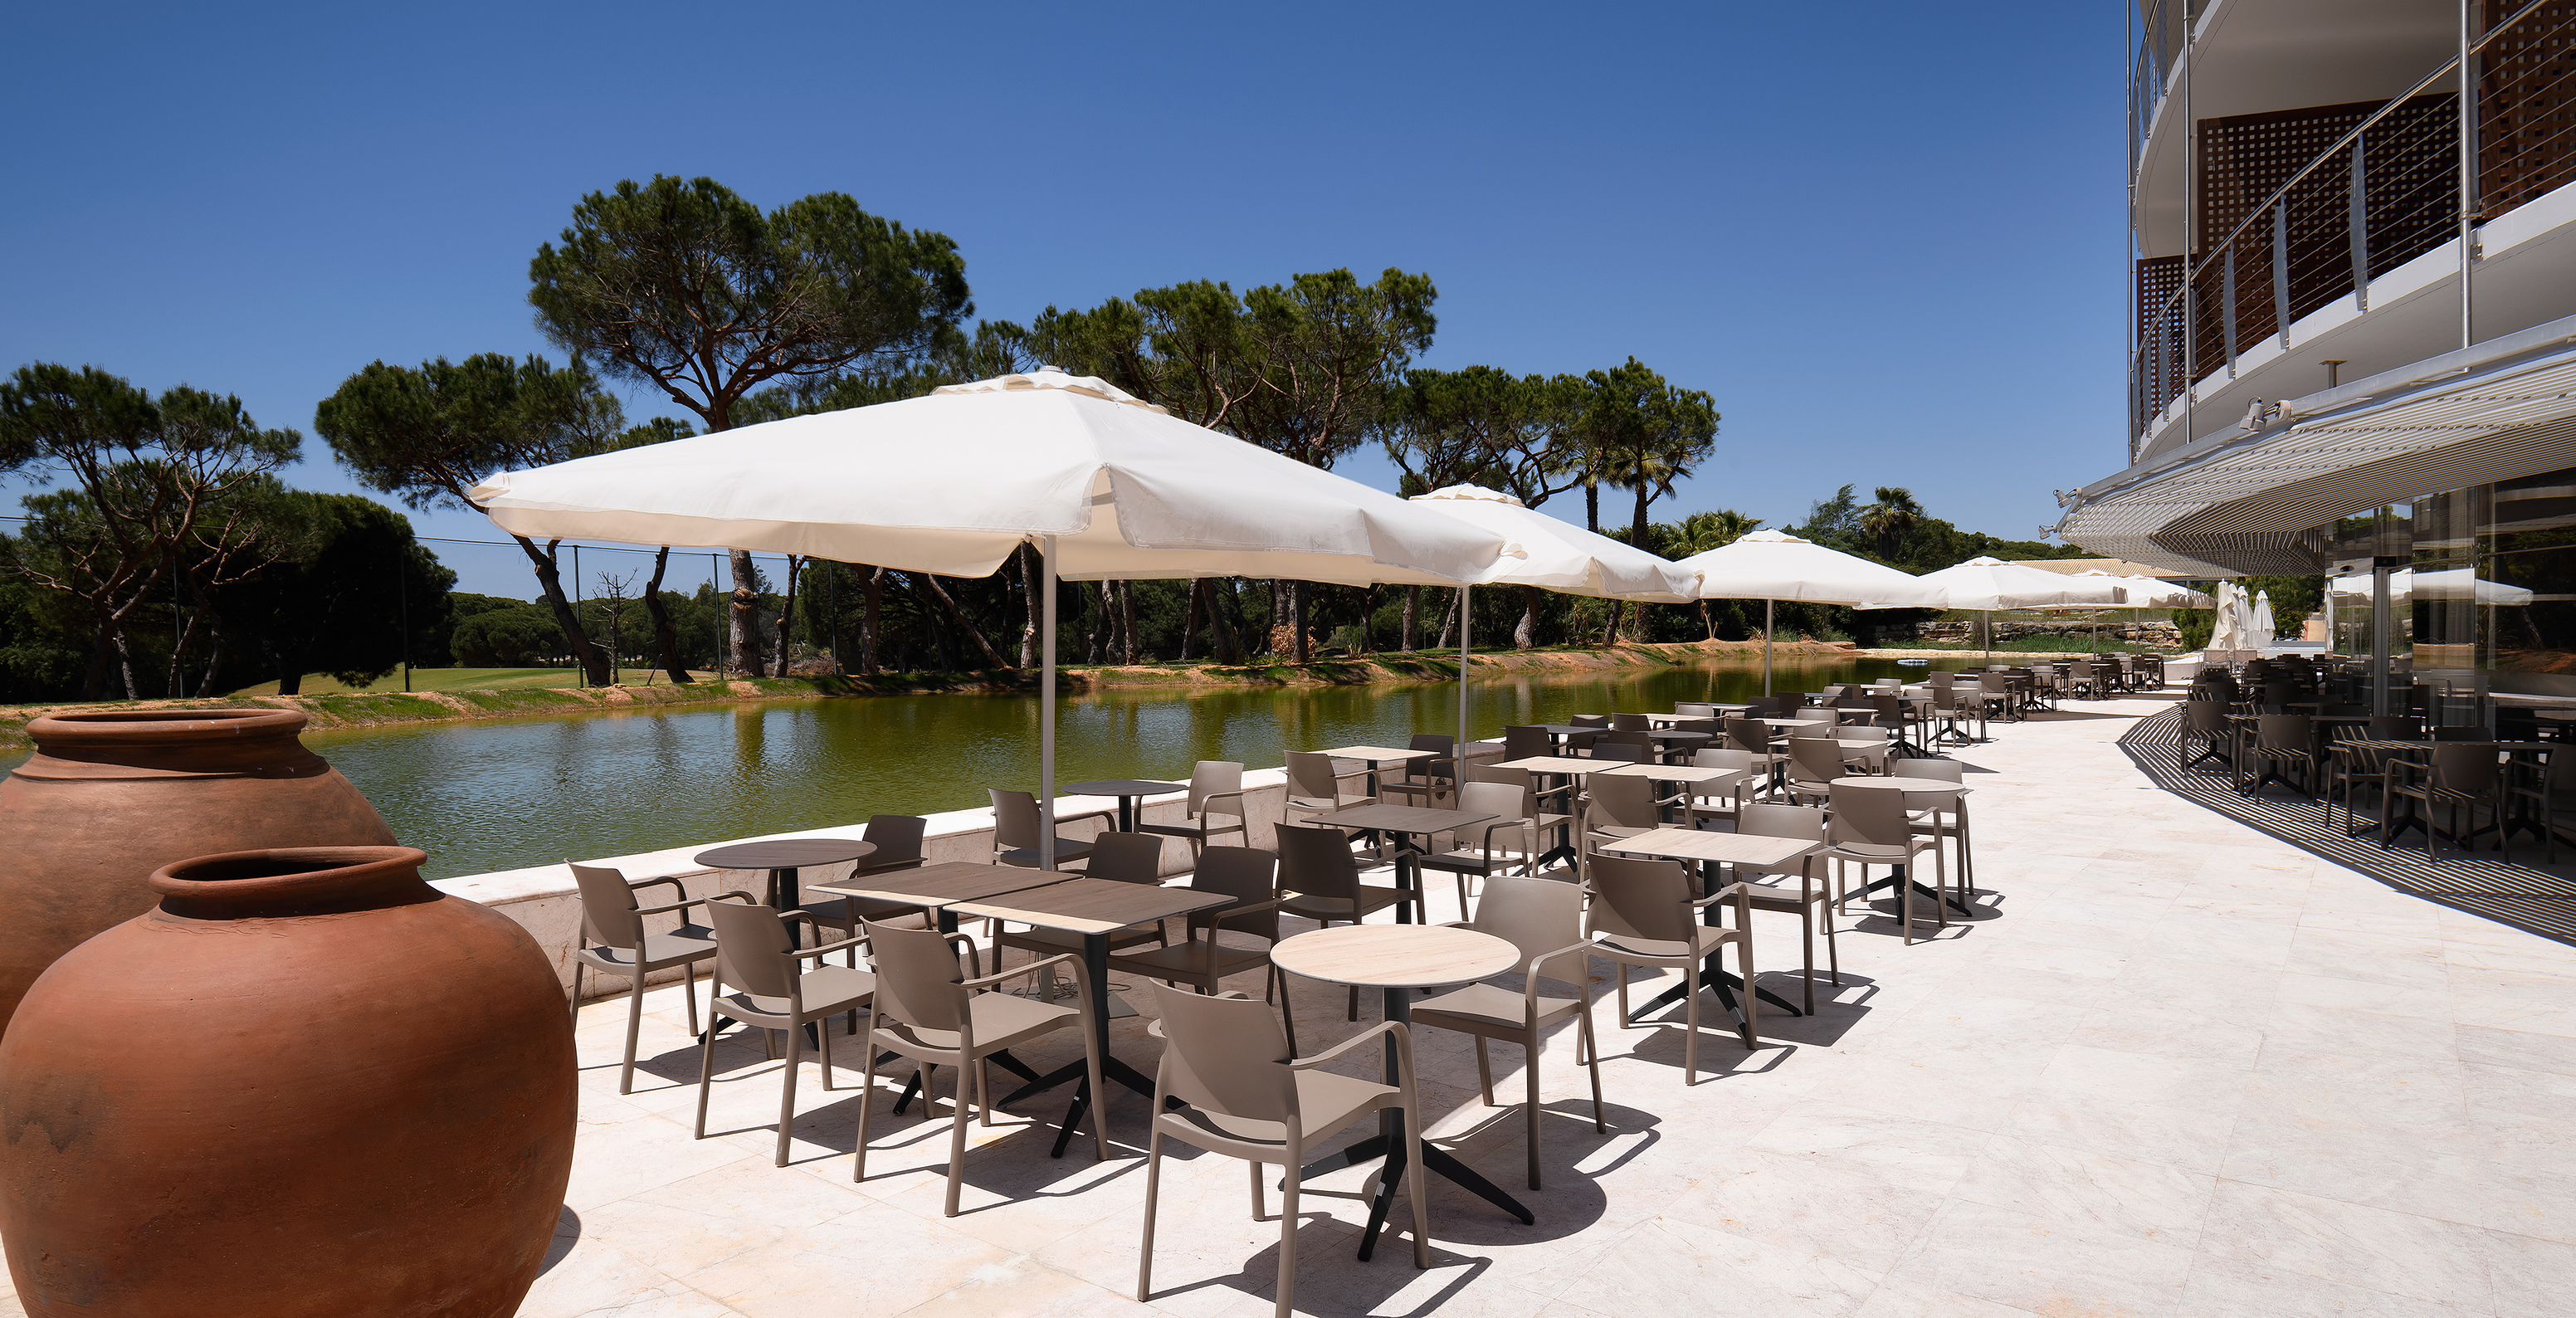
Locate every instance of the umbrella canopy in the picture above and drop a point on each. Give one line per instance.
(953, 482)
(2408, 585)
(1774, 565)
(1987, 584)
(1559, 556)
(2153, 593)
(2233, 628)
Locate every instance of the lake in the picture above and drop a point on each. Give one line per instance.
(502, 794)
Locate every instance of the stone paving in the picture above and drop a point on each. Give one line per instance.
(2181, 1069)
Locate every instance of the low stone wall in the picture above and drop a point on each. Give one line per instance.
(544, 900)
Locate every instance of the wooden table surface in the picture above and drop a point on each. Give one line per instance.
(1378, 754)
(1092, 906)
(1123, 787)
(1561, 764)
(1728, 848)
(1672, 773)
(1909, 786)
(1395, 955)
(1402, 818)
(786, 853)
(943, 884)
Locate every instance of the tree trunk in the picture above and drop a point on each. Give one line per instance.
(178, 650)
(1133, 649)
(1297, 622)
(1610, 634)
(743, 615)
(1637, 533)
(787, 611)
(1412, 618)
(290, 679)
(1448, 622)
(666, 635)
(992, 661)
(1029, 589)
(1099, 622)
(1707, 623)
(871, 598)
(1592, 507)
(1219, 629)
(551, 581)
(214, 653)
(1190, 615)
(1526, 634)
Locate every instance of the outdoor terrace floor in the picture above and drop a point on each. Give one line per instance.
(2183, 1068)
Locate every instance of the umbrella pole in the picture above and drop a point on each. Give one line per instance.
(1459, 768)
(1766, 647)
(1046, 704)
(1987, 655)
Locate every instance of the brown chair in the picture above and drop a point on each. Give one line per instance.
(756, 953)
(1251, 878)
(1428, 778)
(1617, 805)
(1504, 799)
(1812, 904)
(1216, 793)
(2283, 740)
(2462, 776)
(2548, 792)
(1635, 747)
(1244, 1093)
(1317, 868)
(1814, 764)
(1631, 723)
(613, 942)
(1314, 788)
(897, 839)
(1119, 857)
(1642, 914)
(2205, 721)
(1929, 821)
(1016, 830)
(927, 1013)
(1870, 827)
(1527, 743)
(1544, 920)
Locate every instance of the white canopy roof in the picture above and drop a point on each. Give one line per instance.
(1774, 565)
(1990, 583)
(953, 482)
(2407, 585)
(1559, 556)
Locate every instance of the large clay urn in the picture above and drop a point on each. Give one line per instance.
(306, 1085)
(108, 798)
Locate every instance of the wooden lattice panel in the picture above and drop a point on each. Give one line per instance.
(2526, 105)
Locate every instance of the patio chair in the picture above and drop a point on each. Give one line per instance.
(1540, 802)
(1617, 805)
(756, 953)
(1527, 743)
(1545, 921)
(924, 1012)
(2551, 790)
(614, 942)
(1870, 827)
(1251, 878)
(1631, 723)
(2205, 721)
(1216, 793)
(1721, 800)
(1634, 747)
(1642, 913)
(897, 839)
(1425, 780)
(1322, 877)
(1119, 857)
(1315, 789)
(2463, 732)
(1811, 903)
(1928, 821)
(1242, 1092)
(2462, 776)
(1510, 802)
(1016, 830)
(1814, 763)
(2279, 740)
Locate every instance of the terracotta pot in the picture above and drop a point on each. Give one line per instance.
(306, 1084)
(108, 798)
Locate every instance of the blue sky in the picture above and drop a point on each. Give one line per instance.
(1886, 237)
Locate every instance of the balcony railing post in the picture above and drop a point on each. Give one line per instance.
(2468, 171)
(2281, 269)
(2227, 314)
(2357, 221)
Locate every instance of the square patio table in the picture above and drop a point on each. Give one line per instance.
(1095, 909)
(1404, 821)
(1702, 851)
(1373, 756)
(1127, 790)
(1563, 768)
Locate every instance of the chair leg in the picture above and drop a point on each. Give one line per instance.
(1529, 1045)
(689, 992)
(576, 993)
(1153, 1192)
(787, 1090)
(1807, 930)
(1418, 1179)
(957, 1110)
(1585, 1038)
(1260, 1210)
(1752, 999)
(1690, 1021)
(1484, 1071)
(1288, 1238)
(706, 1075)
(823, 1042)
(1287, 1010)
(868, 1098)
(634, 1022)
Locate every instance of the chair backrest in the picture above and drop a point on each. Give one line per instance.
(1226, 1056)
(1623, 800)
(1941, 680)
(1648, 899)
(1723, 757)
(1948, 771)
(752, 944)
(2205, 716)
(918, 976)
(1211, 777)
(1015, 819)
(1694, 709)
(1126, 858)
(1630, 723)
(1749, 735)
(1510, 800)
(1436, 766)
(1247, 874)
(1525, 743)
(1816, 759)
(1870, 815)
(897, 838)
(2289, 732)
(2396, 727)
(1634, 738)
(1318, 863)
(1310, 774)
(608, 917)
(2462, 732)
(1760, 707)
(1537, 916)
(2465, 767)
(1632, 752)
(1862, 732)
(1764, 819)
(1589, 721)
(1707, 725)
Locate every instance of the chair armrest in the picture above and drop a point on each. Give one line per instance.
(1033, 967)
(1087, 814)
(639, 885)
(1213, 797)
(860, 941)
(1392, 1029)
(674, 906)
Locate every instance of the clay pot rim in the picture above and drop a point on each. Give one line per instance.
(132, 726)
(243, 879)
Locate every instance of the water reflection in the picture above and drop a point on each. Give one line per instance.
(503, 794)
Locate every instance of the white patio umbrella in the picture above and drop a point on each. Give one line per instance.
(1552, 555)
(1771, 566)
(1987, 584)
(2232, 629)
(2266, 631)
(1106, 486)
(2407, 585)
(2148, 593)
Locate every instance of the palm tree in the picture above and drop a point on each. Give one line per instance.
(1702, 532)
(1887, 521)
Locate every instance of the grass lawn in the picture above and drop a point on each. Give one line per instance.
(458, 679)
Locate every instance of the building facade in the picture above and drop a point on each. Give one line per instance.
(2353, 328)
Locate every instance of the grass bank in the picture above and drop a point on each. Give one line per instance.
(435, 697)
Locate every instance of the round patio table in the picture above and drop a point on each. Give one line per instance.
(1399, 958)
(782, 857)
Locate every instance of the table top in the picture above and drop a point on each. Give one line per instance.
(1672, 773)
(1377, 754)
(1910, 786)
(1670, 734)
(943, 884)
(1796, 722)
(786, 853)
(1093, 906)
(1124, 787)
(1731, 848)
(1394, 955)
(1559, 764)
(1402, 818)
(2370, 744)
(1569, 729)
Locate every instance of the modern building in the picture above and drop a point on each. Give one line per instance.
(2353, 330)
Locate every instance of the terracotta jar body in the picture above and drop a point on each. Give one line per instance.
(109, 798)
(307, 1084)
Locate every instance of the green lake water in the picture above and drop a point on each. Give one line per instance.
(502, 794)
